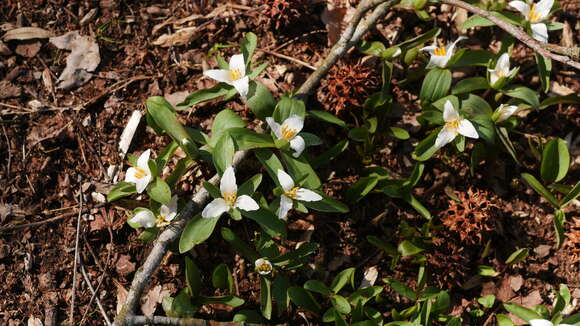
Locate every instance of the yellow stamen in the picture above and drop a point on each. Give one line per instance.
(235, 74)
(230, 198)
(161, 221)
(533, 16)
(453, 125)
(265, 267)
(440, 51)
(292, 193)
(140, 173)
(288, 133)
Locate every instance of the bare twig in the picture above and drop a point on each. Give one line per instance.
(74, 282)
(283, 56)
(541, 48)
(94, 293)
(158, 320)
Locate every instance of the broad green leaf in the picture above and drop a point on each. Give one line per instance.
(559, 220)
(327, 204)
(573, 194)
(476, 21)
(213, 190)
(344, 277)
(310, 139)
(435, 85)
(246, 139)
(222, 278)
(288, 106)
(540, 189)
(361, 188)
(415, 176)
(265, 297)
(563, 299)
(120, 190)
(555, 161)
(407, 248)
(503, 320)
(417, 205)
(401, 288)
(465, 57)
(222, 122)
(426, 148)
(260, 100)
(271, 162)
(249, 317)
(522, 312)
(159, 191)
(280, 293)
(239, 245)
(303, 299)
(326, 117)
(288, 258)
(523, 93)
(330, 154)
(250, 185)
(382, 244)
(469, 85)
(418, 40)
(486, 271)
(517, 256)
(196, 231)
(299, 168)
(192, 277)
(203, 95)
(165, 155)
(248, 46)
(359, 134)
(268, 221)
(229, 300)
(572, 320)
(179, 170)
(364, 295)
(487, 301)
(257, 71)
(544, 69)
(398, 133)
(338, 320)
(148, 235)
(223, 153)
(372, 48)
(317, 286)
(182, 306)
(568, 99)
(340, 304)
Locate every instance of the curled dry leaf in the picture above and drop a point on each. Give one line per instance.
(83, 60)
(336, 16)
(26, 33)
(181, 37)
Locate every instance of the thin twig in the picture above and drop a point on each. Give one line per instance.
(283, 56)
(9, 149)
(94, 293)
(541, 48)
(74, 282)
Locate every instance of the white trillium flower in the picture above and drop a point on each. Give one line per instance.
(140, 175)
(289, 130)
(505, 111)
(544, 322)
(454, 125)
(147, 218)
(440, 55)
(292, 192)
(501, 70)
(230, 198)
(263, 266)
(535, 14)
(235, 76)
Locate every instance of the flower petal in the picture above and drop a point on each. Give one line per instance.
(445, 136)
(493, 77)
(216, 208)
(130, 175)
(467, 129)
(275, 126)
(246, 203)
(506, 111)
(307, 195)
(169, 210)
(285, 180)
(430, 48)
(297, 144)
(143, 161)
(144, 217)
(521, 6)
(449, 112)
(503, 64)
(220, 75)
(228, 181)
(543, 9)
(142, 183)
(294, 122)
(450, 49)
(285, 206)
(540, 322)
(237, 62)
(242, 85)
(540, 32)
(438, 61)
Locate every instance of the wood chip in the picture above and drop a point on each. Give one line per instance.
(129, 132)
(26, 33)
(29, 48)
(181, 37)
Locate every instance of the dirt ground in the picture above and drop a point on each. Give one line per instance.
(57, 145)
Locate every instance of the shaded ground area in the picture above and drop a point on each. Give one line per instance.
(57, 145)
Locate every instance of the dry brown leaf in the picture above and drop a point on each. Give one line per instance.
(150, 301)
(4, 50)
(8, 90)
(121, 295)
(33, 321)
(124, 265)
(516, 282)
(83, 59)
(26, 33)
(181, 37)
(28, 48)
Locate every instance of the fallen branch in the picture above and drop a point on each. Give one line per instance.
(541, 48)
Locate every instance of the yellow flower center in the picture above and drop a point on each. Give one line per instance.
(230, 198)
(534, 16)
(292, 193)
(161, 221)
(453, 125)
(140, 173)
(264, 268)
(235, 74)
(288, 133)
(440, 51)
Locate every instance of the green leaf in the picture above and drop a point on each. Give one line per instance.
(229, 300)
(212, 189)
(344, 277)
(486, 271)
(559, 220)
(487, 301)
(517, 256)
(159, 191)
(340, 304)
(540, 189)
(196, 231)
(503, 320)
(338, 320)
(222, 278)
(415, 176)
(248, 316)
(327, 204)
(555, 161)
(426, 148)
(260, 100)
(418, 40)
(265, 297)
(317, 286)
(407, 248)
(544, 69)
(257, 71)
(568, 99)
(165, 155)
(326, 117)
(269, 222)
(435, 85)
(120, 190)
(469, 85)
(476, 21)
(280, 293)
(417, 205)
(222, 122)
(572, 320)
(372, 48)
(246, 139)
(182, 306)
(293, 258)
(330, 154)
(465, 57)
(203, 95)
(239, 245)
(303, 299)
(401, 288)
(270, 161)
(288, 106)
(300, 169)
(524, 313)
(398, 133)
(573, 194)
(523, 93)
(223, 153)
(250, 185)
(364, 295)
(248, 46)
(563, 299)
(382, 244)
(361, 188)
(192, 277)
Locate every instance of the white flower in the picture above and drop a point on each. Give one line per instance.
(230, 199)
(501, 70)
(289, 130)
(140, 175)
(543, 322)
(263, 266)
(235, 76)
(454, 125)
(291, 192)
(441, 55)
(145, 218)
(504, 112)
(535, 14)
